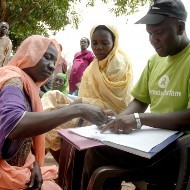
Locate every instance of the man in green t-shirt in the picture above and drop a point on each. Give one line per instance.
(164, 86)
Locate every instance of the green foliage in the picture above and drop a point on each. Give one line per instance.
(28, 17)
(129, 7)
(123, 7)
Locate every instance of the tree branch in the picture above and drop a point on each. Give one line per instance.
(24, 13)
(3, 10)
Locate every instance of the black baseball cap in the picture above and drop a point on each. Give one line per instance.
(162, 9)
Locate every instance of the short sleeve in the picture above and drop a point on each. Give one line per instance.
(11, 110)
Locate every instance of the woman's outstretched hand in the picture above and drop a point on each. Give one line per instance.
(93, 114)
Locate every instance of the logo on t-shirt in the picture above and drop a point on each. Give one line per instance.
(164, 81)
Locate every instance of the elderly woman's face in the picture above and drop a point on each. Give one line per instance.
(101, 43)
(45, 67)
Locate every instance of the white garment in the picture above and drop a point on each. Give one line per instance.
(5, 50)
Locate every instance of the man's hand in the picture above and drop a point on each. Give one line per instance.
(122, 124)
(36, 178)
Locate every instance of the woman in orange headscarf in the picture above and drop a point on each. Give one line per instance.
(22, 143)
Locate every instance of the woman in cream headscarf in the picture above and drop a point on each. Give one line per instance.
(108, 80)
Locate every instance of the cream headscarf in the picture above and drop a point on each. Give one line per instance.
(28, 55)
(107, 83)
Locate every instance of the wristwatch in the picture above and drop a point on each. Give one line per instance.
(138, 120)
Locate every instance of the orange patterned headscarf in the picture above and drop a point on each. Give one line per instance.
(28, 55)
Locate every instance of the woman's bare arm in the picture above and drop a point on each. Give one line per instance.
(36, 123)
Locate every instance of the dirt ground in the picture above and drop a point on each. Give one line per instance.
(49, 160)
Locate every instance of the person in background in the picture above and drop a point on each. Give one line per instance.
(61, 83)
(57, 81)
(52, 100)
(22, 120)
(5, 44)
(159, 86)
(81, 61)
(62, 66)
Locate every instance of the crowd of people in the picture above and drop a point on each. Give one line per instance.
(35, 102)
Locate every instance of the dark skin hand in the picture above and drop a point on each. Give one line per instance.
(125, 118)
(117, 125)
(108, 112)
(36, 178)
(125, 122)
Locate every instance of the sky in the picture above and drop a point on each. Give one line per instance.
(133, 37)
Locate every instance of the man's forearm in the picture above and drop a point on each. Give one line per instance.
(179, 120)
(135, 106)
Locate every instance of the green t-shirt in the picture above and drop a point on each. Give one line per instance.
(165, 83)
